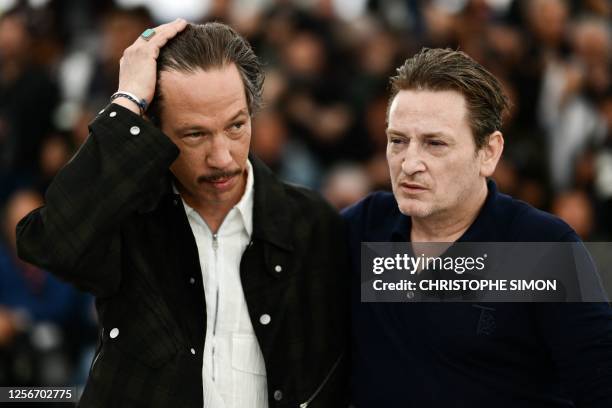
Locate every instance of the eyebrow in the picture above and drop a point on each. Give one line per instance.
(394, 132)
(198, 128)
(429, 135)
(241, 112)
(191, 128)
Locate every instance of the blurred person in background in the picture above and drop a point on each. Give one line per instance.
(118, 27)
(46, 326)
(574, 207)
(346, 184)
(567, 114)
(28, 97)
(286, 156)
(315, 105)
(603, 168)
(56, 150)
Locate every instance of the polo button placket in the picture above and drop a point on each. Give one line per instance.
(278, 395)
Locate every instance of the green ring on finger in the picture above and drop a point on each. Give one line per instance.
(147, 34)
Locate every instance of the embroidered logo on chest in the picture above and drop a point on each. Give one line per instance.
(486, 321)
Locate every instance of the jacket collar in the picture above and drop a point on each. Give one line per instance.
(272, 218)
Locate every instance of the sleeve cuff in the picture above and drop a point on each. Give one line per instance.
(121, 122)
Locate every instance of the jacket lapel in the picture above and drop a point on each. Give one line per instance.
(271, 214)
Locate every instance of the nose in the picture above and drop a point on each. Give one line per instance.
(218, 155)
(412, 162)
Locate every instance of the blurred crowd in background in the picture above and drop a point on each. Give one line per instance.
(323, 123)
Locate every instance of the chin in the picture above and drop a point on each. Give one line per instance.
(413, 208)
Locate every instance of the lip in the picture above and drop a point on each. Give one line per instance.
(222, 184)
(413, 188)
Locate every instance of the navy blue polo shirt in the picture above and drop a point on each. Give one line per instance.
(438, 355)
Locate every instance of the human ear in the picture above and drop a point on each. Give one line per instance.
(490, 153)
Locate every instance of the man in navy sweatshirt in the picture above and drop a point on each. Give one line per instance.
(443, 142)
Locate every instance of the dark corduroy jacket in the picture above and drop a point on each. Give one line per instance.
(112, 225)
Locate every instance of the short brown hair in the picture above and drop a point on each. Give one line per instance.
(438, 69)
(206, 46)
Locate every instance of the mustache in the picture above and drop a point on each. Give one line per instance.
(218, 175)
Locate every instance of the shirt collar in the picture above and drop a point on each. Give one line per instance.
(244, 206)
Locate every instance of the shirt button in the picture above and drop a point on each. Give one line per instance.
(192, 351)
(264, 319)
(114, 333)
(278, 268)
(112, 114)
(278, 395)
(192, 280)
(134, 130)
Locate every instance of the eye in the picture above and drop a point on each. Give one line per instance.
(237, 125)
(193, 134)
(436, 143)
(396, 140)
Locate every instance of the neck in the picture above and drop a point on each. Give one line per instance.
(451, 224)
(212, 212)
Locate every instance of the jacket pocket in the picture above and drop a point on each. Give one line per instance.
(248, 372)
(246, 354)
(321, 386)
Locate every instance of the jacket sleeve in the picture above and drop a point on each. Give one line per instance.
(76, 234)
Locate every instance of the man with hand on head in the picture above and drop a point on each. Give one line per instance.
(217, 285)
(443, 142)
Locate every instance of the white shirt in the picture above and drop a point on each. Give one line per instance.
(233, 369)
